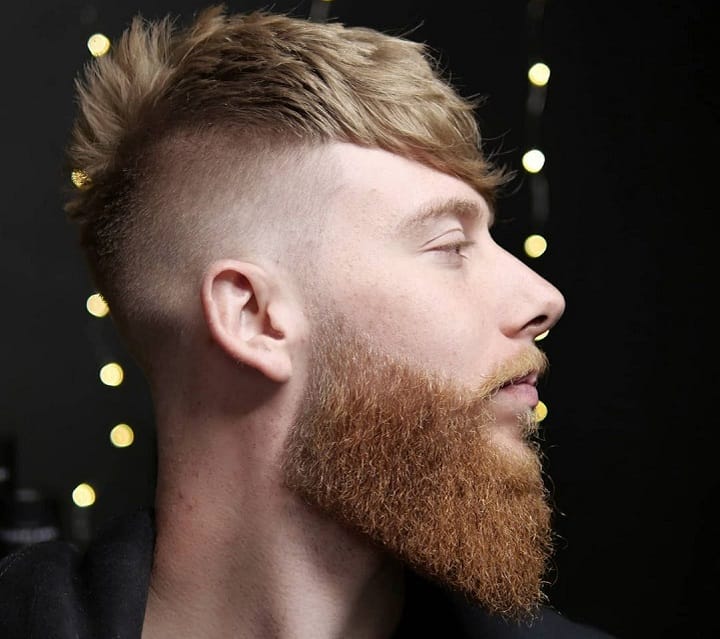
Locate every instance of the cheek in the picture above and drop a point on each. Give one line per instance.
(437, 330)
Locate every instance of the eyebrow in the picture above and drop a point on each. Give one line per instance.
(436, 209)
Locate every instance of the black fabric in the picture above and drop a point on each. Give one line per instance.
(52, 590)
(434, 612)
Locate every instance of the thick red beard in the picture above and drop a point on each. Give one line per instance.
(408, 460)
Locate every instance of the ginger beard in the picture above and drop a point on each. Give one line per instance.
(409, 460)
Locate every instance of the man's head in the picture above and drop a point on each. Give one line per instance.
(277, 203)
(186, 138)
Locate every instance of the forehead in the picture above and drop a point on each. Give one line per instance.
(390, 194)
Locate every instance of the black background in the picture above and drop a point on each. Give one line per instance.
(630, 132)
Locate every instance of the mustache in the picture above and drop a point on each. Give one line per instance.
(530, 362)
(334, 331)
(355, 379)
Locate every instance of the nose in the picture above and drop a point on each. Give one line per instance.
(533, 305)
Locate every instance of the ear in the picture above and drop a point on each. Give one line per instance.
(248, 317)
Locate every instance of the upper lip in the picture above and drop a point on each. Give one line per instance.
(530, 378)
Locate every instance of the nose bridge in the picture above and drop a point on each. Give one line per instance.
(533, 303)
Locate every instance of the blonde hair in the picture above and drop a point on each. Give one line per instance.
(263, 79)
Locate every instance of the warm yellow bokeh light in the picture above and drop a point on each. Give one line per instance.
(542, 335)
(80, 179)
(83, 495)
(98, 44)
(541, 411)
(97, 306)
(533, 160)
(122, 436)
(535, 245)
(539, 74)
(112, 374)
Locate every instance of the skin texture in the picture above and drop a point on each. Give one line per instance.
(241, 551)
(455, 310)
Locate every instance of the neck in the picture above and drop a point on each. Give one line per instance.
(238, 555)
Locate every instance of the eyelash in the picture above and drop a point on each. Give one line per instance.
(456, 247)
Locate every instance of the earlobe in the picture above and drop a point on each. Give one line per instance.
(244, 315)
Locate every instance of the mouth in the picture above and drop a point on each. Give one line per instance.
(522, 389)
(531, 379)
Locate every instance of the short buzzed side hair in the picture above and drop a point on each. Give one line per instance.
(166, 103)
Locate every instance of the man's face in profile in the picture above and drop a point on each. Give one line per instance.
(411, 431)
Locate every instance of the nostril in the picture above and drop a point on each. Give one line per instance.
(540, 322)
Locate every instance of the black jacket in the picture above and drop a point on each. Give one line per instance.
(52, 590)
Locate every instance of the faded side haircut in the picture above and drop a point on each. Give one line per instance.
(172, 116)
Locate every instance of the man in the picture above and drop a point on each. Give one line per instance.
(291, 224)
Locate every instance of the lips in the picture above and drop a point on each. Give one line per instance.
(522, 389)
(530, 378)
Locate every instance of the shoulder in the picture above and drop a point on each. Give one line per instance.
(54, 589)
(548, 624)
(450, 614)
(40, 585)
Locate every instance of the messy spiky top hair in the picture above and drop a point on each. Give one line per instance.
(250, 77)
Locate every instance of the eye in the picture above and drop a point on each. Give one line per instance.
(459, 248)
(454, 252)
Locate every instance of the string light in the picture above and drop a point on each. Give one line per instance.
(80, 179)
(539, 74)
(541, 411)
(98, 44)
(97, 306)
(319, 10)
(535, 245)
(112, 374)
(533, 160)
(83, 495)
(122, 436)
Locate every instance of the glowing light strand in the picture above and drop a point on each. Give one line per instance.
(538, 78)
(320, 10)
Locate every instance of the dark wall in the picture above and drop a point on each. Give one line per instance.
(629, 129)
(632, 121)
